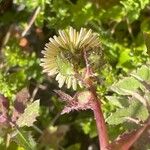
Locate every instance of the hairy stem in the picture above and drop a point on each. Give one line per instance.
(96, 107)
(99, 118)
(101, 125)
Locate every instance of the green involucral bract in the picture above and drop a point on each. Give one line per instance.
(63, 55)
(64, 66)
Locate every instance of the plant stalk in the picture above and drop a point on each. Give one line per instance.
(101, 125)
(96, 107)
(99, 118)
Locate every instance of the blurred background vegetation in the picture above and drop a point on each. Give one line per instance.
(25, 27)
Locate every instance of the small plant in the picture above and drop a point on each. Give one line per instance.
(105, 71)
(14, 118)
(68, 57)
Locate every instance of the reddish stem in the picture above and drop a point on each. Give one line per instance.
(101, 125)
(96, 107)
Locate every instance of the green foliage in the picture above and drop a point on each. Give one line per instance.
(17, 69)
(131, 103)
(125, 85)
(143, 73)
(117, 101)
(64, 13)
(24, 140)
(135, 105)
(129, 9)
(88, 127)
(134, 110)
(75, 146)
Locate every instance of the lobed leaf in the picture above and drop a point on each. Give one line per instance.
(117, 101)
(142, 74)
(134, 110)
(24, 139)
(29, 115)
(128, 83)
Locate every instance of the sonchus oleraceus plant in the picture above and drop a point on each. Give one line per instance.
(67, 57)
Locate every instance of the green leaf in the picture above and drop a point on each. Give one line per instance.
(117, 101)
(24, 139)
(29, 115)
(75, 146)
(135, 110)
(143, 73)
(124, 57)
(64, 65)
(126, 84)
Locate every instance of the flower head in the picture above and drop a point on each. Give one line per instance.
(63, 54)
